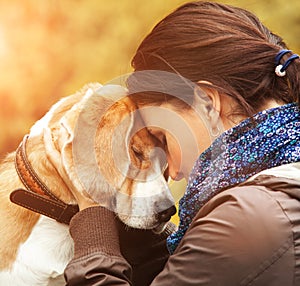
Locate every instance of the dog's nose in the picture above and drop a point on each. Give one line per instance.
(165, 215)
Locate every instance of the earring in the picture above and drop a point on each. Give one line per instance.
(210, 116)
(216, 132)
(215, 123)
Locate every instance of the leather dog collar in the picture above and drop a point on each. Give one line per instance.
(37, 197)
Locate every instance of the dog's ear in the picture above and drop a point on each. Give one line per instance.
(76, 141)
(100, 145)
(113, 139)
(58, 142)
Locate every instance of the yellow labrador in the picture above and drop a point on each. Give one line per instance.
(97, 137)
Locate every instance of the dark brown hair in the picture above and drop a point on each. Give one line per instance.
(225, 45)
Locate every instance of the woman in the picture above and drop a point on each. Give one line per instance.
(239, 217)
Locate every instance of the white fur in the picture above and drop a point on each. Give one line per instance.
(41, 260)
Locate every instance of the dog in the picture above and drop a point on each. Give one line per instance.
(98, 138)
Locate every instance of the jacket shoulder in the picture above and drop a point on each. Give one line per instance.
(242, 236)
(255, 231)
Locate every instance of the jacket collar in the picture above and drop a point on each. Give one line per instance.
(285, 178)
(291, 171)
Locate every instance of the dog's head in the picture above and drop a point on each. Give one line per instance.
(110, 156)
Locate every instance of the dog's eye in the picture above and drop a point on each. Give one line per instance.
(137, 153)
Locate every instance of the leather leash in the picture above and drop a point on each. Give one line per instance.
(37, 197)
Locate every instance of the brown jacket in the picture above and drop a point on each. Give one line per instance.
(247, 235)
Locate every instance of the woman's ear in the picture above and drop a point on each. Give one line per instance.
(209, 94)
(208, 100)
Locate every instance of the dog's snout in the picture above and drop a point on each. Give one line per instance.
(166, 215)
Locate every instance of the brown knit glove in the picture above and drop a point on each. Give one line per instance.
(145, 251)
(94, 230)
(138, 245)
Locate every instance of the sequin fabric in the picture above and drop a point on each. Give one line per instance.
(270, 138)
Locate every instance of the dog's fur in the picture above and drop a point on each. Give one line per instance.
(35, 249)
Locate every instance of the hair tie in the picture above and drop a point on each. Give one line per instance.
(280, 69)
(280, 55)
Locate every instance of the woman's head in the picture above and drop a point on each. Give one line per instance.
(224, 50)
(224, 45)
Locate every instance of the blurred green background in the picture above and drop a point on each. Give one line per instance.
(51, 48)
